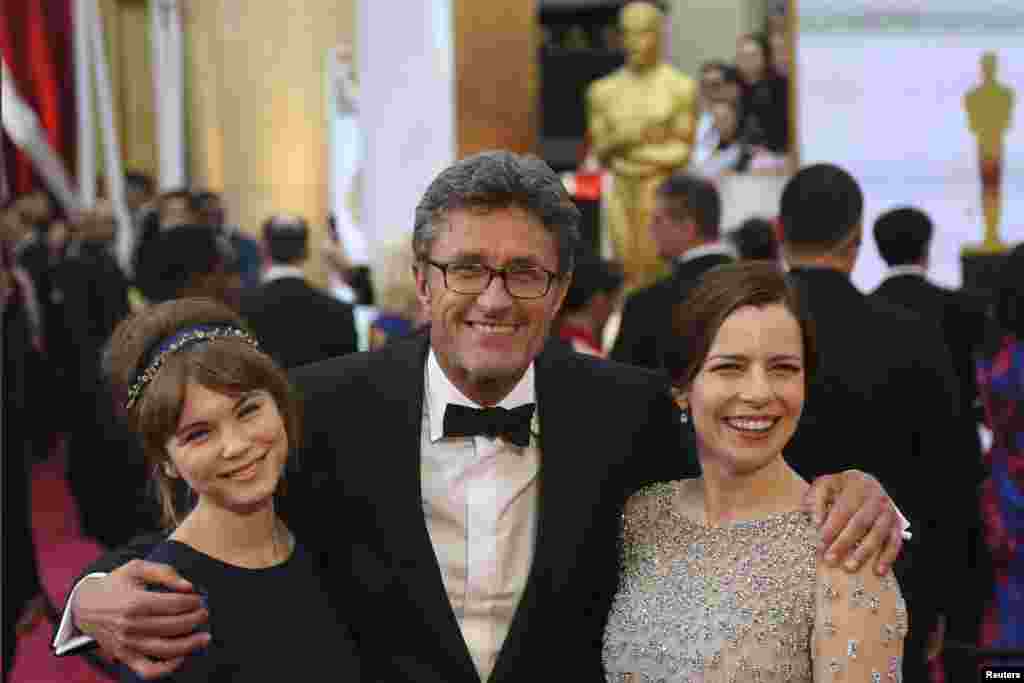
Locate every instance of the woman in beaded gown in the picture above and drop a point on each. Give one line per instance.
(720, 577)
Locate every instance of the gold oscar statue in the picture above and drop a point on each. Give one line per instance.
(989, 110)
(640, 119)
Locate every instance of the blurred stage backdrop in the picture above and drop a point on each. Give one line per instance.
(880, 91)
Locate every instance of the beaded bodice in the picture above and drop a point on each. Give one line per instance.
(743, 602)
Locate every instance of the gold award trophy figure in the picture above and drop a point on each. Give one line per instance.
(640, 120)
(989, 111)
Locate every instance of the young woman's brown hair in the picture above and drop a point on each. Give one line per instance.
(227, 364)
(721, 291)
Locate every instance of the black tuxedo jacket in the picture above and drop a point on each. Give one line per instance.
(962, 318)
(298, 324)
(356, 501)
(885, 400)
(964, 322)
(645, 334)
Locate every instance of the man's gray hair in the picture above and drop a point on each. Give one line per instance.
(499, 180)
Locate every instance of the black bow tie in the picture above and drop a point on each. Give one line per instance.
(512, 425)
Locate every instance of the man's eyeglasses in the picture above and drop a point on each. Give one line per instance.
(521, 282)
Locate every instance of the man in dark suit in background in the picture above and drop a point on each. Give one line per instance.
(885, 398)
(295, 322)
(210, 211)
(685, 227)
(903, 237)
(463, 488)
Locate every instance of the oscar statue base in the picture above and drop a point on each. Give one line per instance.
(985, 248)
(980, 266)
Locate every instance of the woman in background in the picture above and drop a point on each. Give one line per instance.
(594, 294)
(764, 95)
(1001, 388)
(398, 309)
(731, 154)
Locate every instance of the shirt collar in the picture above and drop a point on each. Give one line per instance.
(24, 243)
(440, 392)
(714, 248)
(277, 271)
(907, 269)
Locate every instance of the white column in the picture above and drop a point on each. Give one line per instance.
(168, 92)
(406, 99)
(113, 168)
(346, 156)
(84, 104)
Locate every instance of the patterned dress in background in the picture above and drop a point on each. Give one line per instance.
(744, 602)
(1001, 387)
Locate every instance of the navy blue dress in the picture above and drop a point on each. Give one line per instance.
(272, 624)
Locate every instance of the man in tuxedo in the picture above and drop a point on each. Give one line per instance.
(685, 227)
(295, 322)
(463, 488)
(903, 237)
(172, 210)
(885, 399)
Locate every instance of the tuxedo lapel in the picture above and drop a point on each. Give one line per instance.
(401, 386)
(556, 396)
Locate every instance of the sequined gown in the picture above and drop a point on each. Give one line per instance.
(743, 603)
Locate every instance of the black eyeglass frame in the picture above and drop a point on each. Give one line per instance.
(491, 273)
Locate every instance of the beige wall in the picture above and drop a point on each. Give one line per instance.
(497, 74)
(256, 114)
(257, 118)
(256, 102)
(703, 30)
(129, 60)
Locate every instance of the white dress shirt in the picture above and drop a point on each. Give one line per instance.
(480, 502)
(908, 269)
(716, 248)
(705, 141)
(279, 271)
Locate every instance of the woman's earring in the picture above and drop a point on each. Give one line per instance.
(684, 416)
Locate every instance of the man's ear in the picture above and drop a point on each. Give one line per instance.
(419, 273)
(692, 231)
(563, 289)
(681, 397)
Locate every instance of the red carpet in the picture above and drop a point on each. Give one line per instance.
(62, 553)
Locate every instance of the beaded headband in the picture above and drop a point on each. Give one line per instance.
(178, 341)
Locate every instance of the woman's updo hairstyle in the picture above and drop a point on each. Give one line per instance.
(721, 291)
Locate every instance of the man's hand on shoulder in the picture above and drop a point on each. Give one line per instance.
(150, 632)
(855, 514)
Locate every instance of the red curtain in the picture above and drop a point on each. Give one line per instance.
(36, 42)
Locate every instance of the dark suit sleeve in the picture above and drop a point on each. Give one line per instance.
(136, 549)
(947, 449)
(636, 343)
(344, 338)
(312, 473)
